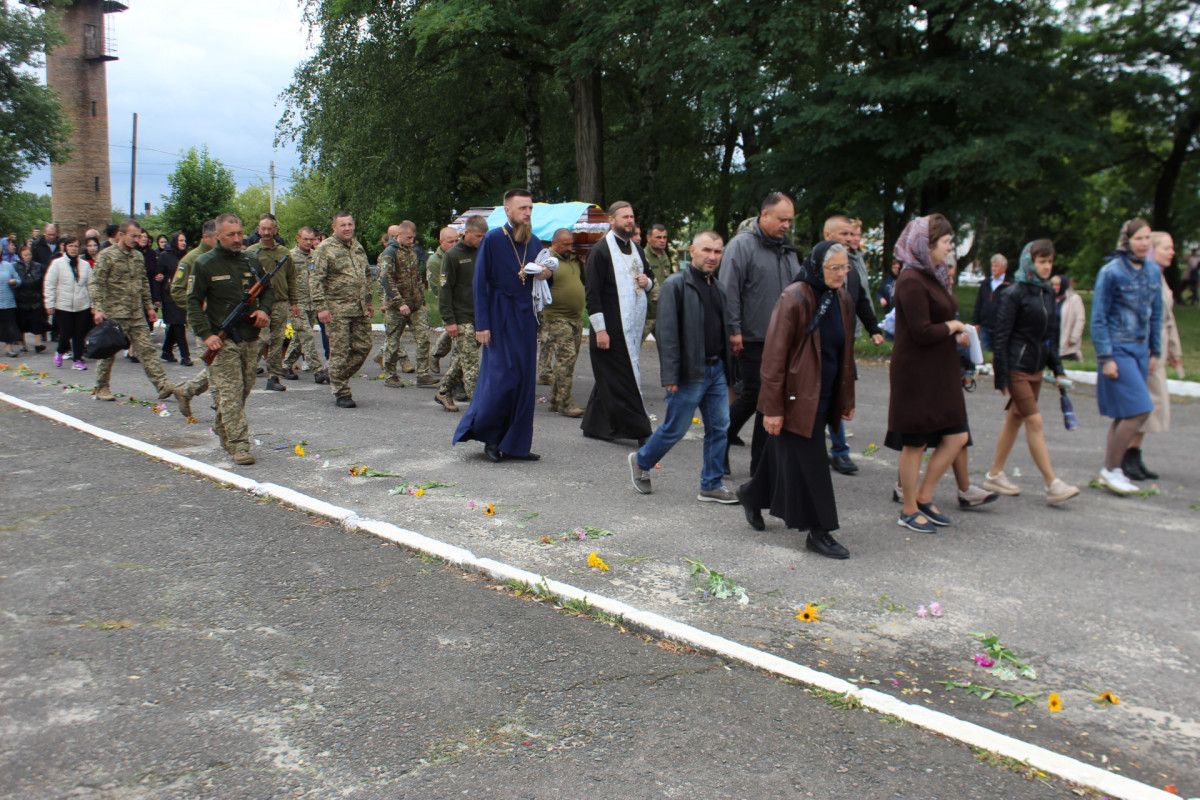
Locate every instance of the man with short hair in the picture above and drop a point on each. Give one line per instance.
(91, 233)
(303, 342)
(617, 281)
(456, 301)
(404, 298)
(268, 252)
(693, 351)
(447, 238)
(662, 264)
(45, 247)
(501, 411)
(181, 284)
(988, 300)
(840, 228)
(220, 279)
(120, 291)
(563, 323)
(111, 236)
(341, 293)
(757, 265)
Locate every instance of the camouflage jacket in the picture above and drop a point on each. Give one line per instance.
(400, 278)
(118, 286)
(304, 264)
(338, 281)
(283, 285)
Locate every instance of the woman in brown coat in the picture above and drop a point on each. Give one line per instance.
(807, 382)
(926, 407)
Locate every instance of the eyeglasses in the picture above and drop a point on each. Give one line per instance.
(839, 268)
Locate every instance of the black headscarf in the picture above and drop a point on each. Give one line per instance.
(812, 272)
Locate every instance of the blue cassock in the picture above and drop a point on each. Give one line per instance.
(501, 410)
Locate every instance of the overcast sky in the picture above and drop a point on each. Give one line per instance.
(198, 73)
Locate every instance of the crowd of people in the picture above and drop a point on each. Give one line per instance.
(746, 330)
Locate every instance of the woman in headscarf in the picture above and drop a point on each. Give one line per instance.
(173, 316)
(1162, 252)
(1127, 334)
(807, 381)
(1026, 338)
(31, 314)
(926, 407)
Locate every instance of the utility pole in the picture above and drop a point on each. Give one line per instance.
(133, 171)
(272, 187)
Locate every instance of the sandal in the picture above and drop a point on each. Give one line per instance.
(913, 523)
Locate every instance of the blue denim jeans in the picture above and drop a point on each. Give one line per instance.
(837, 439)
(712, 398)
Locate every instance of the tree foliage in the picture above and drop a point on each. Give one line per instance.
(33, 127)
(201, 188)
(22, 212)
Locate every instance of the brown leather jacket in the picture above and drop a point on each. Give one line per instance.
(791, 363)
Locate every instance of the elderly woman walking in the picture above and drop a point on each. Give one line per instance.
(1163, 253)
(926, 407)
(1127, 313)
(807, 381)
(1026, 338)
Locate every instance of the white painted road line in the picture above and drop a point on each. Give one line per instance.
(1065, 767)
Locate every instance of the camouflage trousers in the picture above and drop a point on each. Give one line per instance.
(464, 366)
(395, 324)
(563, 337)
(545, 365)
(349, 346)
(232, 377)
(139, 341)
(647, 329)
(303, 341)
(276, 345)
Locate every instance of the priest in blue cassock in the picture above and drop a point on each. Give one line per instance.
(617, 283)
(501, 410)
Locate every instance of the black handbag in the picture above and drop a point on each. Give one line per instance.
(104, 340)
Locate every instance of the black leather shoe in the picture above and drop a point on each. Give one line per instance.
(844, 465)
(493, 453)
(185, 362)
(345, 401)
(168, 358)
(527, 457)
(823, 544)
(753, 515)
(1131, 467)
(1150, 476)
(736, 441)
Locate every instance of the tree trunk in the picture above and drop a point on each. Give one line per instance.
(1168, 178)
(589, 140)
(647, 115)
(721, 203)
(535, 179)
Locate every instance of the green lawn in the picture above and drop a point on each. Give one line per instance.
(1186, 317)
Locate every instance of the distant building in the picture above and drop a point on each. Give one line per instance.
(80, 188)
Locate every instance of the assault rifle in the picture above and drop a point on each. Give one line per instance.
(243, 310)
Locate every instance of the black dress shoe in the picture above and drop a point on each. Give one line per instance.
(170, 359)
(526, 457)
(185, 362)
(345, 401)
(1131, 467)
(493, 453)
(753, 515)
(823, 544)
(844, 465)
(736, 440)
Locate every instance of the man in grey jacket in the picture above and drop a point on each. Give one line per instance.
(759, 263)
(693, 352)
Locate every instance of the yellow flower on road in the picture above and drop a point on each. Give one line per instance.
(596, 562)
(809, 613)
(1055, 702)
(299, 450)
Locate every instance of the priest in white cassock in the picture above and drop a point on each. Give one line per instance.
(617, 281)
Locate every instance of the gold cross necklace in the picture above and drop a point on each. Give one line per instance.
(520, 258)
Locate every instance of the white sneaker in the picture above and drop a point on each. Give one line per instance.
(1115, 481)
(1000, 484)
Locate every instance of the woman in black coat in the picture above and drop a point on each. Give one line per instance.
(31, 313)
(174, 317)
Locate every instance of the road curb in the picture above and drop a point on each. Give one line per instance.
(1065, 767)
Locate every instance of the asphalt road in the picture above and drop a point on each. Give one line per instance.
(1098, 596)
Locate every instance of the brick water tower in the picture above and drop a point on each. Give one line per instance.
(80, 190)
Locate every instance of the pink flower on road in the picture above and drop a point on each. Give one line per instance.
(921, 612)
(983, 661)
(935, 608)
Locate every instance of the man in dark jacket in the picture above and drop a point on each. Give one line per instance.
(45, 248)
(758, 263)
(693, 353)
(984, 318)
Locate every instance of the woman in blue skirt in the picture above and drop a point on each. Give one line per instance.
(1127, 333)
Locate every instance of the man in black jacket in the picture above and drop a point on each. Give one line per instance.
(45, 248)
(693, 354)
(987, 300)
(840, 228)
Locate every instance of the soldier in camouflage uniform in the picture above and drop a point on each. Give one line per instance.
(303, 341)
(341, 293)
(268, 253)
(663, 263)
(457, 304)
(120, 291)
(404, 294)
(220, 278)
(180, 285)
(447, 238)
(563, 323)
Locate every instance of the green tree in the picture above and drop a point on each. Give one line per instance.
(252, 202)
(307, 202)
(22, 212)
(33, 128)
(201, 188)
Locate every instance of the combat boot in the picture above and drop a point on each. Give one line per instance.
(290, 374)
(393, 382)
(426, 380)
(243, 458)
(185, 401)
(104, 393)
(321, 375)
(275, 385)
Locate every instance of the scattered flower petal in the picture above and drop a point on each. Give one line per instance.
(935, 608)
(490, 510)
(419, 492)
(1107, 699)
(895, 682)
(983, 661)
(1054, 702)
(596, 562)
(298, 450)
(922, 612)
(471, 504)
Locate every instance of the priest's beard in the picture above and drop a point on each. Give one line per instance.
(522, 231)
